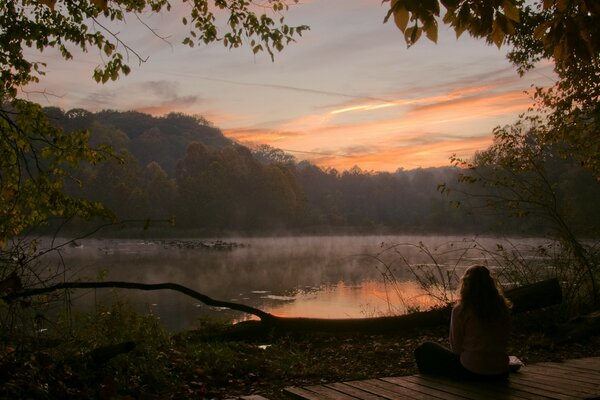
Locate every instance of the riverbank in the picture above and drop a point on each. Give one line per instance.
(331, 359)
(202, 364)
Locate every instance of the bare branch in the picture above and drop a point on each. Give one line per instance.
(264, 316)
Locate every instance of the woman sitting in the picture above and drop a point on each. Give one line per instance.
(479, 330)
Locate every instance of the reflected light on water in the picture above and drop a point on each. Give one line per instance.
(315, 277)
(342, 300)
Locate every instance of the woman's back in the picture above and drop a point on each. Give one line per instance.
(479, 331)
(481, 344)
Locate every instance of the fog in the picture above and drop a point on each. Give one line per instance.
(316, 276)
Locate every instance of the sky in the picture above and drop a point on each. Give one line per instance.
(347, 93)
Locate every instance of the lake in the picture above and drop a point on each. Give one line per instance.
(313, 276)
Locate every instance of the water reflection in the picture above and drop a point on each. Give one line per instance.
(326, 277)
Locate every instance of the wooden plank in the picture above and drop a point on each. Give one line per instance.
(567, 379)
(561, 387)
(587, 362)
(563, 374)
(459, 389)
(506, 389)
(573, 367)
(543, 391)
(329, 393)
(428, 391)
(587, 366)
(592, 364)
(352, 391)
(563, 370)
(571, 379)
(566, 371)
(253, 397)
(481, 390)
(301, 393)
(564, 386)
(387, 394)
(394, 387)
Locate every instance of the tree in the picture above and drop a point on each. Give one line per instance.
(266, 154)
(160, 191)
(34, 152)
(37, 160)
(521, 175)
(63, 24)
(518, 172)
(566, 32)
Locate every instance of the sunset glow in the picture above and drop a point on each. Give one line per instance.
(347, 93)
(369, 299)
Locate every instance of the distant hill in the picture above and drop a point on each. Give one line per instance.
(163, 140)
(182, 167)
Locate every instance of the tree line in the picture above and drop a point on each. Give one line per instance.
(181, 168)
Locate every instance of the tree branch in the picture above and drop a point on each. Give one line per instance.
(264, 316)
(525, 298)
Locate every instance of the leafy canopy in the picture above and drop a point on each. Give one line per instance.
(566, 32)
(36, 158)
(85, 24)
(566, 29)
(36, 161)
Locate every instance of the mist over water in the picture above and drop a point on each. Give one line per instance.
(316, 276)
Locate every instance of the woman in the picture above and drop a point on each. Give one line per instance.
(479, 330)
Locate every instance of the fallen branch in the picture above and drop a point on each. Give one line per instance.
(525, 298)
(140, 286)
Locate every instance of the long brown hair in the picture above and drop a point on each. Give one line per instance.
(481, 293)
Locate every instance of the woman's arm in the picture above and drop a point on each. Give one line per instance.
(456, 330)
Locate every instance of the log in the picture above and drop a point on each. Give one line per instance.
(535, 296)
(525, 298)
(14, 295)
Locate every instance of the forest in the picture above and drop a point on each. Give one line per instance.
(183, 169)
(70, 173)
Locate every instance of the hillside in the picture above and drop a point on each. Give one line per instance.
(182, 167)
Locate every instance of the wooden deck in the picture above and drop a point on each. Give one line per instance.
(571, 379)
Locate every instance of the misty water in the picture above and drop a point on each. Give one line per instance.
(325, 277)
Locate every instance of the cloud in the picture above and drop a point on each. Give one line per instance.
(360, 150)
(156, 97)
(391, 158)
(288, 88)
(449, 92)
(474, 106)
(253, 136)
(424, 132)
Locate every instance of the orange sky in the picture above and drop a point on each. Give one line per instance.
(347, 93)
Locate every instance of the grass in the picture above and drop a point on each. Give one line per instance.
(201, 364)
